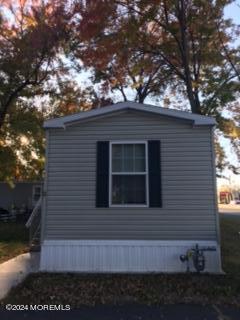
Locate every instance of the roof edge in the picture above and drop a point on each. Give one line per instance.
(198, 120)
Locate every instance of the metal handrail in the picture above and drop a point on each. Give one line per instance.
(34, 213)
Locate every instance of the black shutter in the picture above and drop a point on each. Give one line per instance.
(102, 170)
(154, 174)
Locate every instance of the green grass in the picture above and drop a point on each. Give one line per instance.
(230, 244)
(13, 240)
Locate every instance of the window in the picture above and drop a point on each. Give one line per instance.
(37, 191)
(128, 174)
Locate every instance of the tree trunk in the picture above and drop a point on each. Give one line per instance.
(195, 105)
(3, 112)
(141, 98)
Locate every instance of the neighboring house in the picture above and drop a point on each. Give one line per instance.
(129, 188)
(19, 194)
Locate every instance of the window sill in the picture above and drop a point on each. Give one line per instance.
(128, 206)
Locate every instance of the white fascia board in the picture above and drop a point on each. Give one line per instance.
(61, 122)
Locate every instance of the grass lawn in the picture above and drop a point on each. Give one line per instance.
(79, 289)
(13, 240)
(230, 236)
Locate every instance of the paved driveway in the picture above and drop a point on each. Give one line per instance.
(13, 271)
(130, 312)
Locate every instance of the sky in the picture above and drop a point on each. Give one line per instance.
(233, 11)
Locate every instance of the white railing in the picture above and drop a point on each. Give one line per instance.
(34, 224)
(34, 213)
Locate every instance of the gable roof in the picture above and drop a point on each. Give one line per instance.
(196, 119)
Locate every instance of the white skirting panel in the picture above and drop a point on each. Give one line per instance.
(122, 256)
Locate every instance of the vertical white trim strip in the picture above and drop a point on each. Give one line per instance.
(147, 173)
(110, 176)
(217, 220)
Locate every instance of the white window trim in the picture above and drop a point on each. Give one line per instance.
(146, 205)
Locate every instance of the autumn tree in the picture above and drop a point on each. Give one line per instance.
(169, 36)
(115, 64)
(22, 147)
(31, 35)
(22, 144)
(68, 98)
(185, 41)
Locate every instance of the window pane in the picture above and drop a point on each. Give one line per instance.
(128, 151)
(128, 165)
(128, 189)
(140, 150)
(139, 165)
(117, 150)
(117, 165)
(128, 158)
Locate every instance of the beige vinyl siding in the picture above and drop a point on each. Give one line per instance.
(188, 211)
